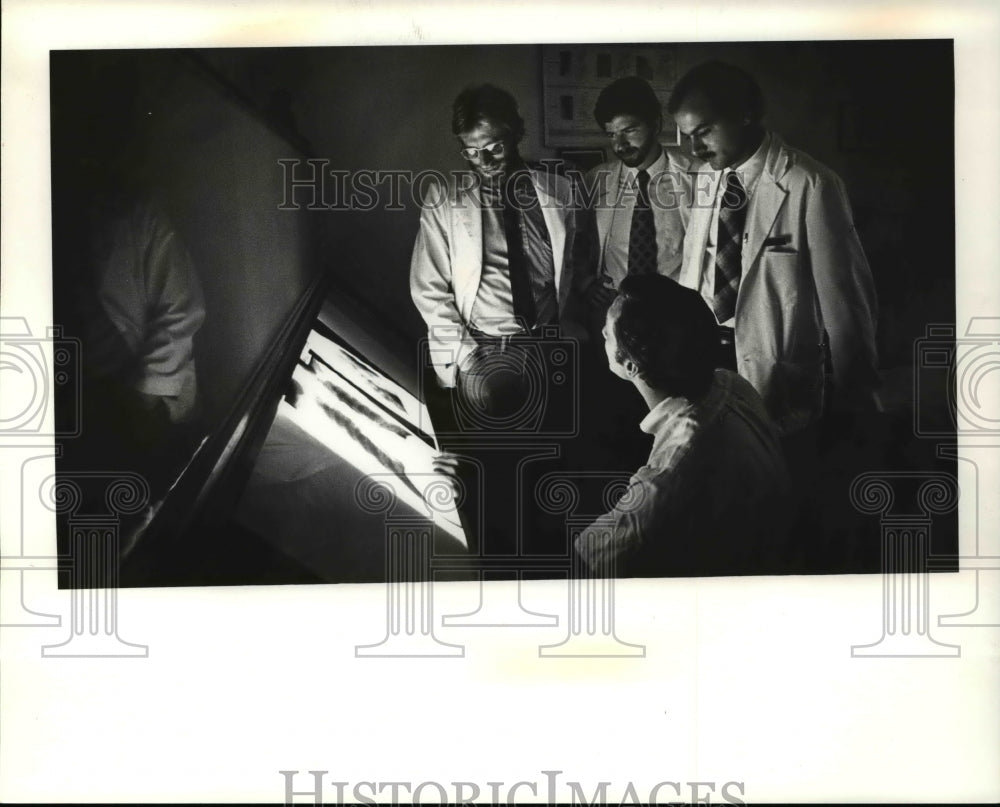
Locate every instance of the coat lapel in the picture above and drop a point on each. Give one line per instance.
(467, 230)
(606, 204)
(766, 203)
(696, 238)
(467, 261)
(554, 213)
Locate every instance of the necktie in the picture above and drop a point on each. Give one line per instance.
(520, 282)
(729, 247)
(642, 235)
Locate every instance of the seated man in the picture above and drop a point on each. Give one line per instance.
(710, 499)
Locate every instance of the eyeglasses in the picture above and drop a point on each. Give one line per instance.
(495, 150)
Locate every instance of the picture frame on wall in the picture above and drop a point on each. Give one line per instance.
(574, 75)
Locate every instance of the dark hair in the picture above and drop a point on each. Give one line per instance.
(731, 90)
(669, 332)
(628, 96)
(486, 102)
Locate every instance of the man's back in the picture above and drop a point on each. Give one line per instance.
(712, 498)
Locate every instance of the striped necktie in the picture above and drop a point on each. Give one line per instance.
(729, 247)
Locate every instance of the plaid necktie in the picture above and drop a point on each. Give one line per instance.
(642, 235)
(729, 247)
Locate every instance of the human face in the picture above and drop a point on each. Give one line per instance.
(720, 141)
(611, 342)
(633, 140)
(491, 167)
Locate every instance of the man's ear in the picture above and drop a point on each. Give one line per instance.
(631, 368)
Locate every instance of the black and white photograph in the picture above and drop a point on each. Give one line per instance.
(232, 213)
(610, 339)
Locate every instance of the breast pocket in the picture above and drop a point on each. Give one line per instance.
(780, 273)
(780, 256)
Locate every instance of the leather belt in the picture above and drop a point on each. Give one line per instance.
(503, 341)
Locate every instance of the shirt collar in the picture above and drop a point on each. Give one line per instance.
(673, 407)
(753, 166)
(523, 185)
(665, 411)
(658, 167)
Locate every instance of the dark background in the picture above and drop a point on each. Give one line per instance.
(205, 130)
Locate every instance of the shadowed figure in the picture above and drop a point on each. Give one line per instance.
(124, 285)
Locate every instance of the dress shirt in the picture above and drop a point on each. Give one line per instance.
(709, 500)
(749, 171)
(616, 253)
(493, 311)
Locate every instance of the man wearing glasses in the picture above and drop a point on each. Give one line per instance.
(491, 265)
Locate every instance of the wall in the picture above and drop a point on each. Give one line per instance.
(213, 164)
(218, 164)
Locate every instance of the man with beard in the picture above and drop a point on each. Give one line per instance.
(639, 202)
(637, 212)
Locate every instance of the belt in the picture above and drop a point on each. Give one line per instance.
(504, 340)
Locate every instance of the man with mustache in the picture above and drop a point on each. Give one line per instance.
(636, 213)
(771, 246)
(639, 202)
